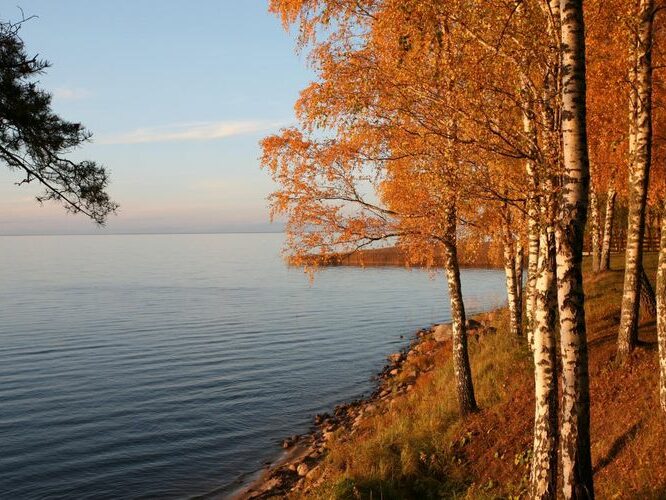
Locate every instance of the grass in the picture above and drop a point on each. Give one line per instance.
(417, 447)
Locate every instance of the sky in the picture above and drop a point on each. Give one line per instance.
(177, 95)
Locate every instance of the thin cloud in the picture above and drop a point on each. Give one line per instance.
(204, 131)
(71, 94)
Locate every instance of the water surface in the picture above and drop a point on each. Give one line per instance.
(167, 365)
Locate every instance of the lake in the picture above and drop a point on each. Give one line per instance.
(167, 366)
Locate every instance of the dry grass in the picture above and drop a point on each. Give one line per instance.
(417, 447)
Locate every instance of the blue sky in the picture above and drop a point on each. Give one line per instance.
(177, 95)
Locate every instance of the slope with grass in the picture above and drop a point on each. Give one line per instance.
(417, 447)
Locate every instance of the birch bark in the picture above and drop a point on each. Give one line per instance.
(604, 265)
(639, 172)
(661, 311)
(543, 477)
(510, 272)
(532, 214)
(532, 270)
(595, 230)
(577, 480)
(461, 367)
(518, 265)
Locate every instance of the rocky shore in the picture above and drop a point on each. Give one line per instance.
(299, 470)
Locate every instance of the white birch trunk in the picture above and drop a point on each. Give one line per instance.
(532, 268)
(543, 477)
(461, 367)
(510, 272)
(520, 258)
(604, 265)
(577, 480)
(639, 172)
(532, 212)
(595, 230)
(661, 312)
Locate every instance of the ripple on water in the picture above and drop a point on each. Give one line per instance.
(166, 366)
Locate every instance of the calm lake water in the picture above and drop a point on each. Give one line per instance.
(168, 365)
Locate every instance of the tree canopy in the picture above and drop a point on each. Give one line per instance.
(35, 141)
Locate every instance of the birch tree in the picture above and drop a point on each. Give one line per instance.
(543, 473)
(321, 180)
(604, 259)
(639, 171)
(575, 425)
(661, 311)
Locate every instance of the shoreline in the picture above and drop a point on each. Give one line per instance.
(297, 470)
(395, 257)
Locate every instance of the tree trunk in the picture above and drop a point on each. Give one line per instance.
(520, 257)
(639, 172)
(543, 477)
(577, 480)
(661, 311)
(647, 239)
(461, 367)
(532, 269)
(511, 282)
(648, 298)
(596, 231)
(604, 265)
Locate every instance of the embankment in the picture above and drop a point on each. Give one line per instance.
(407, 441)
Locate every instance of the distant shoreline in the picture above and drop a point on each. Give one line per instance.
(394, 257)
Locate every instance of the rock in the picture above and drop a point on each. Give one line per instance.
(312, 473)
(320, 417)
(292, 467)
(290, 441)
(272, 483)
(303, 469)
(393, 372)
(395, 358)
(442, 333)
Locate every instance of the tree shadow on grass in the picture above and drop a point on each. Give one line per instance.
(603, 339)
(618, 445)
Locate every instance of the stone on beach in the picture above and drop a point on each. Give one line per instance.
(442, 333)
(395, 358)
(289, 442)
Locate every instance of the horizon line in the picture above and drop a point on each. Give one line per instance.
(143, 233)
